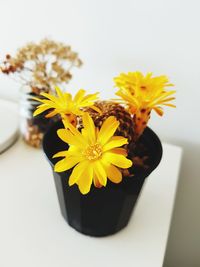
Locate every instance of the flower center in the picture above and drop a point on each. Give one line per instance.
(93, 151)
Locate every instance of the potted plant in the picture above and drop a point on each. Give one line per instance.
(102, 151)
(38, 67)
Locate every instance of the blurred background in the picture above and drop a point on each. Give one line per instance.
(112, 36)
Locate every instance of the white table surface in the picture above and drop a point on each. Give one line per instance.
(34, 234)
(9, 124)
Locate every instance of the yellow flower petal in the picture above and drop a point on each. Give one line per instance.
(36, 98)
(40, 109)
(117, 160)
(89, 127)
(161, 97)
(49, 103)
(61, 154)
(85, 182)
(78, 97)
(115, 141)
(77, 172)
(96, 109)
(165, 100)
(107, 130)
(169, 105)
(71, 139)
(51, 114)
(100, 173)
(96, 182)
(59, 93)
(49, 96)
(89, 100)
(158, 110)
(66, 164)
(128, 97)
(114, 174)
(119, 150)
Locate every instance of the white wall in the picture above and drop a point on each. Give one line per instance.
(113, 36)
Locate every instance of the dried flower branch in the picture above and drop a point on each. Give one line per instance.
(42, 65)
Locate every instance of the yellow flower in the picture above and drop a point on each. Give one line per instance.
(63, 103)
(144, 92)
(96, 154)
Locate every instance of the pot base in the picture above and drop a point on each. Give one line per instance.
(103, 211)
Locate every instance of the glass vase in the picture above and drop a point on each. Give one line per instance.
(33, 128)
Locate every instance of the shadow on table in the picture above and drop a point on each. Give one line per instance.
(184, 239)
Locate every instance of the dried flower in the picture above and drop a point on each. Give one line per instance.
(42, 65)
(94, 153)
(142, 94)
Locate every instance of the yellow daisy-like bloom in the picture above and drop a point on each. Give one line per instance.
(96, 154)
(64, 104)
(142, 94)
(144, 91)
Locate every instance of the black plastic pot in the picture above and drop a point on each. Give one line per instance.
(102, 211)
